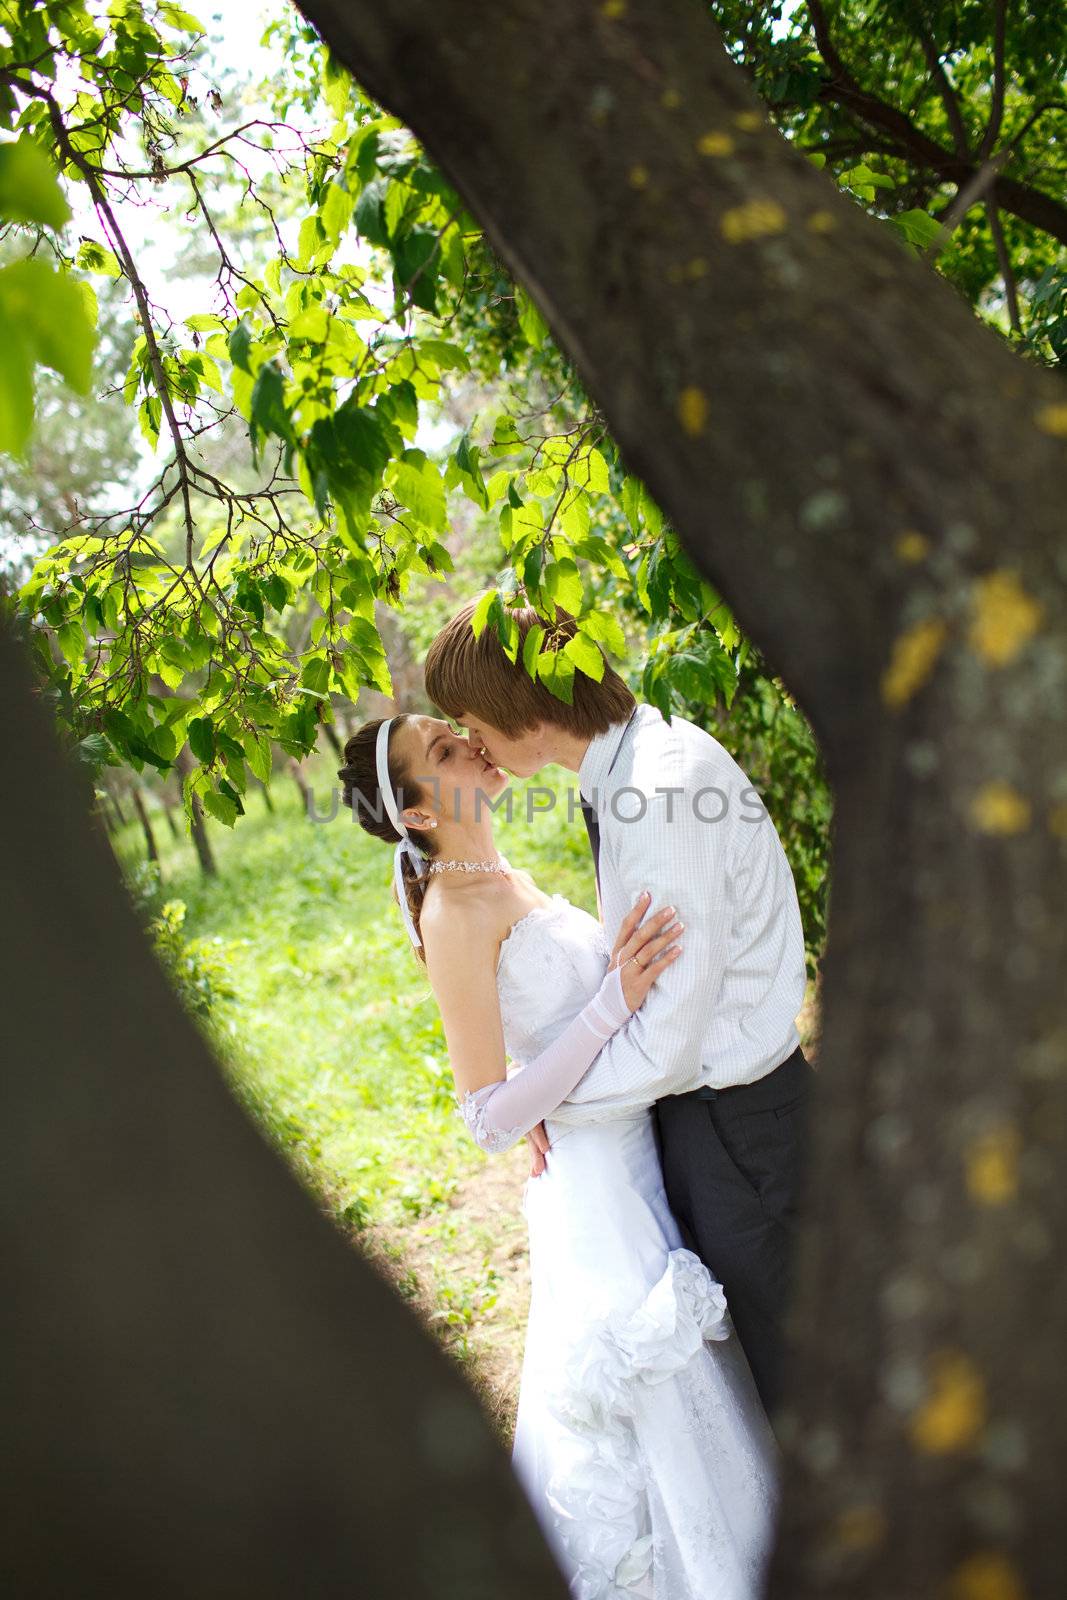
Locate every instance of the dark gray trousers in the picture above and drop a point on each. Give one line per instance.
(732, 1161)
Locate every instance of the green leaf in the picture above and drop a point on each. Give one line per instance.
(71, 641)
(555, 669)
(269, 415)
(533, 325)
(220, 806)
(201, 736)
(336, 85)
(369, 220)
(16, 390)
(206, 322)
(29, 190)
(916, 227)
(184, 21)
(531, 647)
(315, 675)
(50, 310)
(464, 464)
(94, 257)
(563, 584)
(417, 262)
(585, 655)
(606, 630)
(449, 357)
(481, 611)
(336, 210)
(418, 484)
(240, 343)
(257, 749)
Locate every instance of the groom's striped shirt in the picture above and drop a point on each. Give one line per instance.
(678, 816)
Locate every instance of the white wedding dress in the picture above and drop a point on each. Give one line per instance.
(640, 1441)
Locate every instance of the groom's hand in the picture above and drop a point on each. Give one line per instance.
(538, 1140)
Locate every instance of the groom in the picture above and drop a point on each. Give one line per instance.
(715, 1044)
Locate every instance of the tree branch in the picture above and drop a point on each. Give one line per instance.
(1011, 294)
(949, 98)
(1020, 199)
(996, 110)
(103, 205)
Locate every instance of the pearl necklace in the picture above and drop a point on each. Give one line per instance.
(469, 866)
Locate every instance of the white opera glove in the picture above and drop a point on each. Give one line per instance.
(499, 1114)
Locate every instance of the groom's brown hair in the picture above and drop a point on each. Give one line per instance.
(472, 677)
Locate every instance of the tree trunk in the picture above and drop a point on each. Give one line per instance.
(146, 826)
(330, 733)
(296, 772)
(168, 811)
(184, 763)
(116, 806)
(875, 483)
(208, 1392)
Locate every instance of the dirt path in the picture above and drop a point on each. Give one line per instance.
(466, 1271)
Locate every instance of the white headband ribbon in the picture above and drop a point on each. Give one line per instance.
(406, 846)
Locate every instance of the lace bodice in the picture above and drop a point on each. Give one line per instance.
(551, 962)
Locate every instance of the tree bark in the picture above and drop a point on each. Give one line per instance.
(168, 811)
(184, 763)
(207, 1391)
(295, 769)
(875, 483)
(146, 826)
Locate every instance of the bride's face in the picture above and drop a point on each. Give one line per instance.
(522, 756)
(449, 770)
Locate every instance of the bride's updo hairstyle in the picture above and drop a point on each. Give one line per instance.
(360, 790)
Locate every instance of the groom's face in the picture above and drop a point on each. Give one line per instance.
(521, 756)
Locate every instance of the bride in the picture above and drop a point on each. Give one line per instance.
(640, 1439)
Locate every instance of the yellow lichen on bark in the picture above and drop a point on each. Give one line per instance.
(670, 99)
(1053, 419)
(693, 410)
(860, 1528)
(985, 1576)
(638, 177)
(1057, 821)
(1000, 808)
(954, 1413)
(991, 1164)
(748, 121)
(715, 144)
(754, 220)
(1005, 617)
(912, 546)
(912, 660)
(821, 221)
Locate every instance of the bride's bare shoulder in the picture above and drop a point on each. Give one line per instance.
(472, 911)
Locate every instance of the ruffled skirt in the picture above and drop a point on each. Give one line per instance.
(640, 1440)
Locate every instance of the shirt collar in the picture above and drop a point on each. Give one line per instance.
(603, 749)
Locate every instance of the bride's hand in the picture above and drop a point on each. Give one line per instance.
(644, 949)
